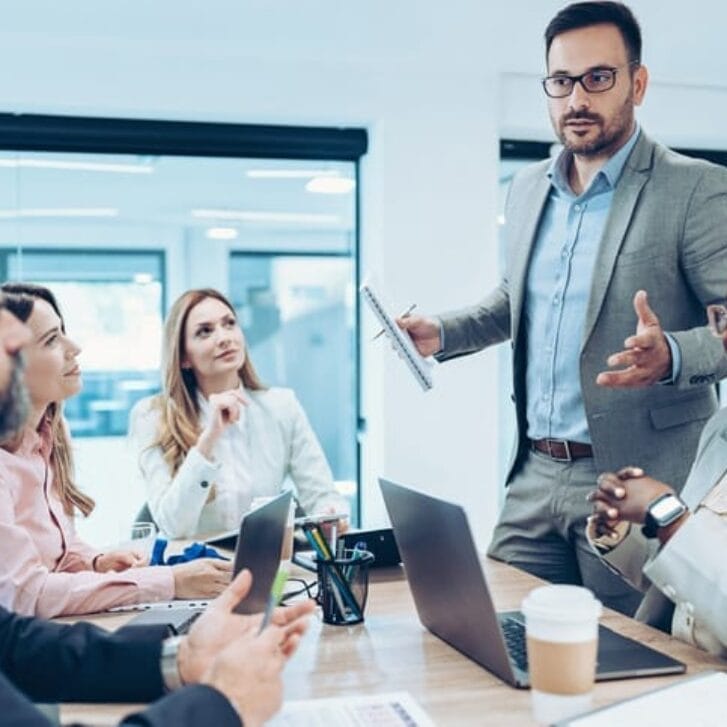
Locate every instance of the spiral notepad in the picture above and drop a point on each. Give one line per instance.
(418, 365)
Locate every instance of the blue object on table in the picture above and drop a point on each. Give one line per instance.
(191, 552)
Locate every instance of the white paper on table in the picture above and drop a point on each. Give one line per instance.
(700, 701)
(395, 709)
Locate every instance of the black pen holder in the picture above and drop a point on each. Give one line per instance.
(343, 587)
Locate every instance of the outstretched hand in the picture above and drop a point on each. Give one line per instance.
(646, 357)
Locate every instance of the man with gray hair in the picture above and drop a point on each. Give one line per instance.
(13, 398)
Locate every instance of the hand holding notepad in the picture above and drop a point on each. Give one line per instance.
(400, 340)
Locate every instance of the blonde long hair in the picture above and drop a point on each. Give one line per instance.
(179, 426)
(19, 299)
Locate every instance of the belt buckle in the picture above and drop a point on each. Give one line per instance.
(568, 457)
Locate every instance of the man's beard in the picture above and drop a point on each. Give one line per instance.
(608, 138)
(13, 402)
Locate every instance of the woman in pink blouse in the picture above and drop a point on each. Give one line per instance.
(45, 569)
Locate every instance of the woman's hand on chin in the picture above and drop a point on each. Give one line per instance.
(225, 409)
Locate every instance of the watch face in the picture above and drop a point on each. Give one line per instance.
(666, 509)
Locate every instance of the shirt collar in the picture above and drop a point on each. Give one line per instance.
(610, 172)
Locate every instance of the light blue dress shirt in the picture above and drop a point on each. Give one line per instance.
(556, 297)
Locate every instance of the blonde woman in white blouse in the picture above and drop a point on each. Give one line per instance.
(216, 438)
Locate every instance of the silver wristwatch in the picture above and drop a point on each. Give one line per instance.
(660, 512)
(169, 664)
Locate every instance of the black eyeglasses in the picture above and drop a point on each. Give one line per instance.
(597, 80)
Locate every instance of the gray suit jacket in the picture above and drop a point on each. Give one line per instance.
(666, 233)
(692, 574)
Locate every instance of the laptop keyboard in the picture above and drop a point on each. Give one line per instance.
(186, 625)
(514, 634)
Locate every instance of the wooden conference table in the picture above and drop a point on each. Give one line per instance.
(391, 651)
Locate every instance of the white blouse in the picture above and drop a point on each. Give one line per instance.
(689, 569)
(272, 440)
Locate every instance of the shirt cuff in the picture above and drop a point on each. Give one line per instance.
(676, 360)
(441, 336)
(199, 460)
(605, 543)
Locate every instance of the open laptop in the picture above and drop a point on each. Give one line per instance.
(453, 601)
(258, 549)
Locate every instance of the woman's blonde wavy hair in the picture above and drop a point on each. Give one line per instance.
(179, 426)
(19, 299)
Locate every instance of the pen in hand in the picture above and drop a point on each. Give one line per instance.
(405, 314)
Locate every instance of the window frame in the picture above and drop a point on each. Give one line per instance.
(99, 135)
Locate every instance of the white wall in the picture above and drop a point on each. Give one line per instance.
(436, 84)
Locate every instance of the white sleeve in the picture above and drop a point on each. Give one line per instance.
(308, 466)
(175, 502)
(690, 570)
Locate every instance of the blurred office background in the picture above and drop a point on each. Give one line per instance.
(425, 110)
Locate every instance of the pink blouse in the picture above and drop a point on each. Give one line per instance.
(45, 568)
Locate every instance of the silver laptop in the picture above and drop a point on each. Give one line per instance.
(453, 601)
(258, 549)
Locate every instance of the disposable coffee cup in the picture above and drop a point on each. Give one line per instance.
(561, 624)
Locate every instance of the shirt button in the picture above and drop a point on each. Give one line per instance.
(564, 253)
(204, 484)
(577, 207)
(556, 299)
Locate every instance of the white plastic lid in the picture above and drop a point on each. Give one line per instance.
(561, 603)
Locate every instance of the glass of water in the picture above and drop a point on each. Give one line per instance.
(142, 539)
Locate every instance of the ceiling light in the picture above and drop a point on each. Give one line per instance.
(255, 216)
(291, 173)
(77, 166)
(330, 185)
(221, 233)
(60, 212)
(143, 278)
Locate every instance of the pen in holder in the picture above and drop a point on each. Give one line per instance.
(343, 585)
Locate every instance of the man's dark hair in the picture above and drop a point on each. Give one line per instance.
(583, 15)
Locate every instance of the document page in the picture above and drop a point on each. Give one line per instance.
(698, 702)
(398, 709)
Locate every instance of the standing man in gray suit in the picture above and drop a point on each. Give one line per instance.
(615, 216)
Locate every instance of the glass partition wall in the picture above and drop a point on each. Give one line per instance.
(119, 236)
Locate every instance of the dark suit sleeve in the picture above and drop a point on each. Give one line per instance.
(17, 710)
(52, 662)
(196, 705)
(188, 707)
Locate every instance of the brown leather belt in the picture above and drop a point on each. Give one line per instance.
(561, 449)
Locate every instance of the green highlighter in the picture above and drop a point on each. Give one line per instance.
(276, 593)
